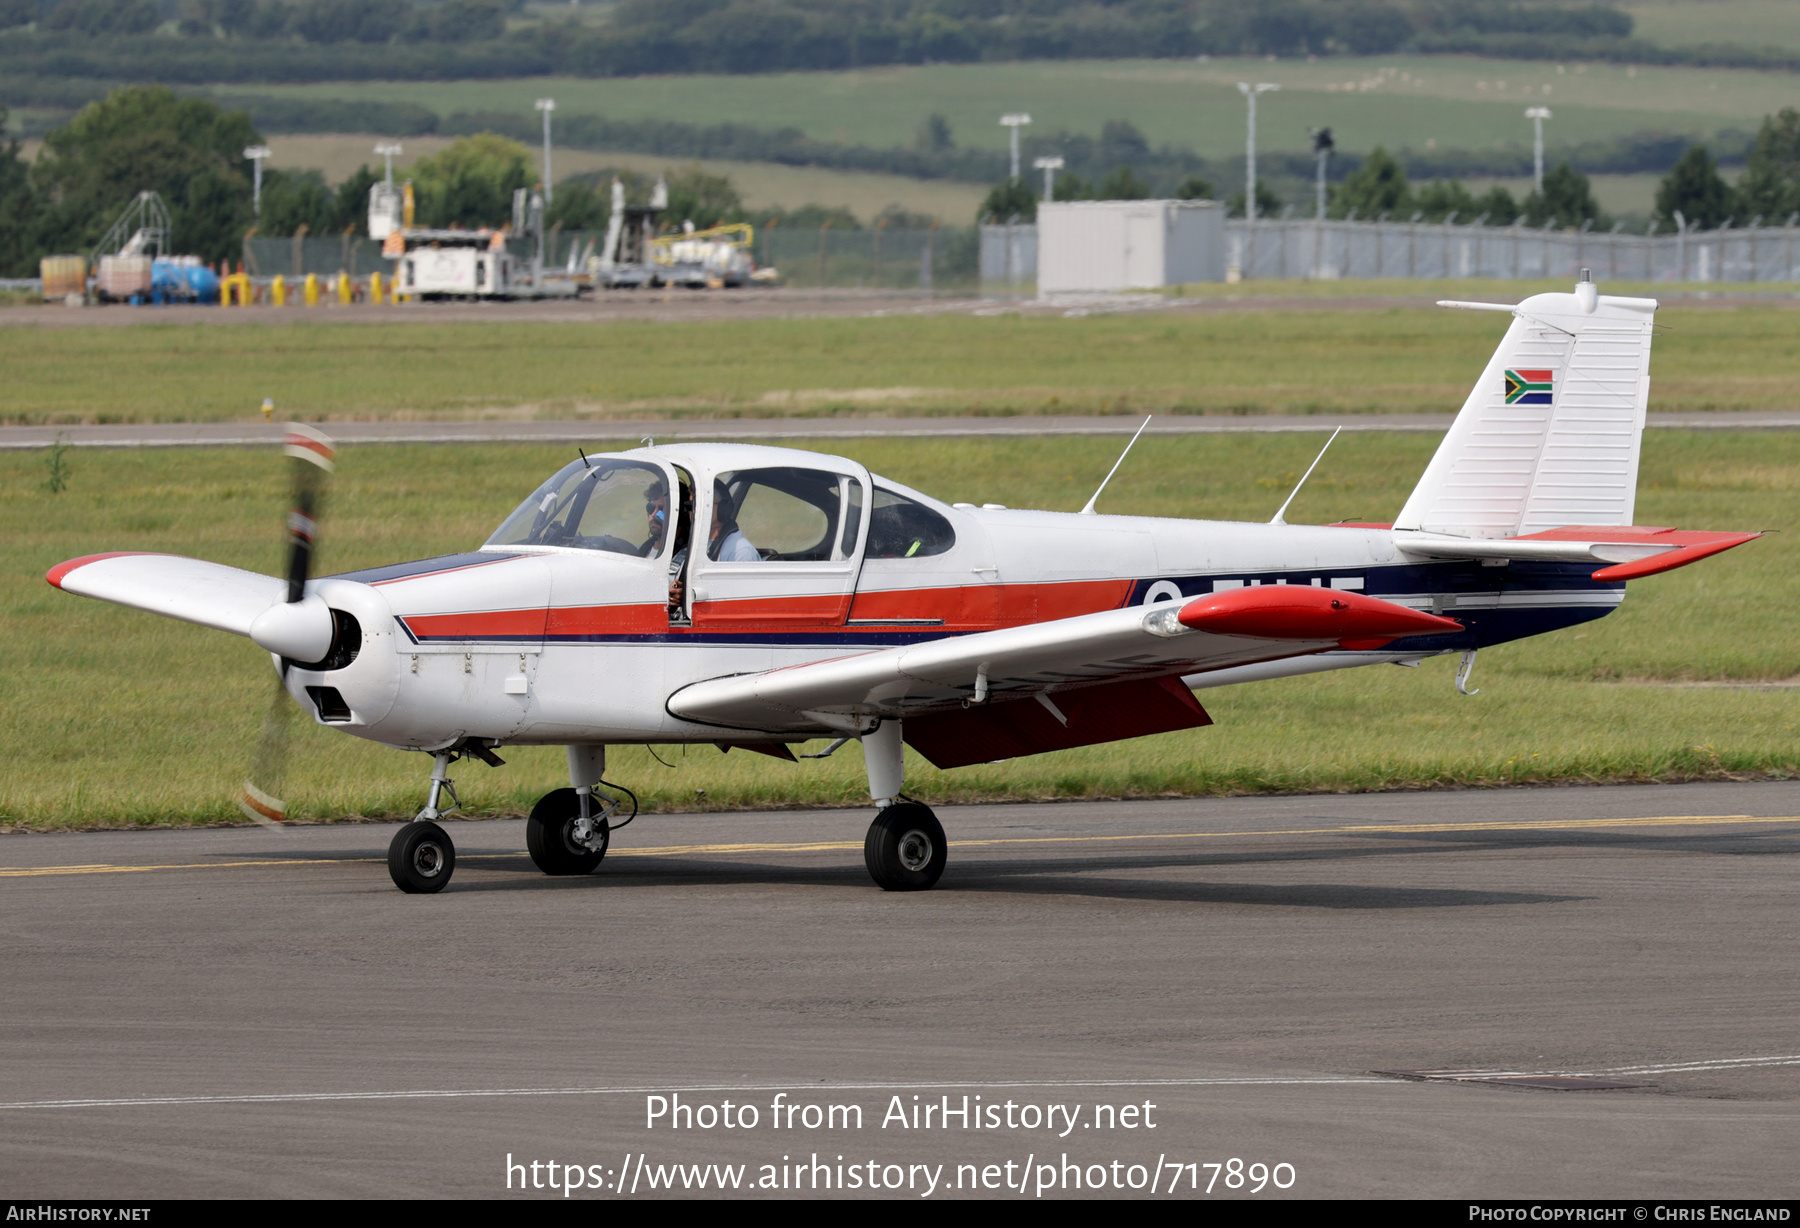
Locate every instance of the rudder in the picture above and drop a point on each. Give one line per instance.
(1529, 453)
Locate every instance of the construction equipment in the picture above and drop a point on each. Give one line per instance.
(705, 259)
(122, 259)
(624, 261)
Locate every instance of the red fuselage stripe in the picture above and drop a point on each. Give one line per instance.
(973, 608)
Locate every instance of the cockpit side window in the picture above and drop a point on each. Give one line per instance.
(902, 528)
(785, 513)
(594, 504)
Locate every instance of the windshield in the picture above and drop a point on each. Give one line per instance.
(595, 504)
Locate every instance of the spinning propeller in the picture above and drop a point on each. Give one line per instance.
(300, 630)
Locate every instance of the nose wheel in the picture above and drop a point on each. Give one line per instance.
(905, 848)
(421, 858)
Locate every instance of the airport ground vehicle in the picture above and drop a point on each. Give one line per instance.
(760, 597)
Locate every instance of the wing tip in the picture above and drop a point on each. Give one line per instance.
(58, 573)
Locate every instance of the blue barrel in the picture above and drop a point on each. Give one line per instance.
(203, 283)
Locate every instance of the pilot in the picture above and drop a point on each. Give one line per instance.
(656, 509)
(727, 543)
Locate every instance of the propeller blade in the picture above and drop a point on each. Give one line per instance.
(314, 458)
(260, 798)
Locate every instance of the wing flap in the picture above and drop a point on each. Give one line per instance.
(1108, 713)
(193, 590)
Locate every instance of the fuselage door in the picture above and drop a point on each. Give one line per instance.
(782, 548)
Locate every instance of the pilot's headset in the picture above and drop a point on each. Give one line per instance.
(727, 508)
(727, 513)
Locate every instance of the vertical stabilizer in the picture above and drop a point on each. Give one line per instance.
(1551, 433)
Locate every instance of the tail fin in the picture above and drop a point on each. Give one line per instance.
(1551, 434)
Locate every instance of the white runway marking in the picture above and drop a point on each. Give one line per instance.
(469, 1093)
(664, 1089)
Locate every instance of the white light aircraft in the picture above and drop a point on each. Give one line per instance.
(757, 597)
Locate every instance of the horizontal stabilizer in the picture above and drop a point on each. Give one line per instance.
(1630, 550)
(193, 590)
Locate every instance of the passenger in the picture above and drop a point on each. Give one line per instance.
(727, 543)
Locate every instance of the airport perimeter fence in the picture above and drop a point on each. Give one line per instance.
(894, 258)
(1337, 250)
(891, 258)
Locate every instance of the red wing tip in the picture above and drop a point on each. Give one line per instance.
(58, 573)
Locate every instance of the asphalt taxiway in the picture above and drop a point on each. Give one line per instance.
(240, 1012)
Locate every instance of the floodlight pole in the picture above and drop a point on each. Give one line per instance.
(1049, 166)
(1015, 121)
(1322, 147)
(1250, 92)
(1537, 115)
(388, 149)
(547, 105)
(256, 154)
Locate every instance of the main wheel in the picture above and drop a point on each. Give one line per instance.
(421, 859)
(905, 849)
(550, 836)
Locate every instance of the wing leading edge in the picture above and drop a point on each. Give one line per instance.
(193, 590)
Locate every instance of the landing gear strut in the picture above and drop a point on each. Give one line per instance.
(421, 858)
(905, 849)
(569, 829)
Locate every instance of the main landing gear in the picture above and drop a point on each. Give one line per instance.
(569, 829)
(905, 849)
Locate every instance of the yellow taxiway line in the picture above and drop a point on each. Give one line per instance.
(820, 846)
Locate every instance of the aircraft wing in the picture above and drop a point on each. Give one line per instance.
(1632, 550)
(1053, 685)
(193, 590)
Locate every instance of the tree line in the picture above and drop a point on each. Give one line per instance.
(190, 151)
(312, 40)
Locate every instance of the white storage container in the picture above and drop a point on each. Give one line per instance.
(1129, 244)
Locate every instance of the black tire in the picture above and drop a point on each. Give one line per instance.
(905, 849)
(421, 859)
(549, 836)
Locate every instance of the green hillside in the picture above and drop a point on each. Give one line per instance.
(1447, 102)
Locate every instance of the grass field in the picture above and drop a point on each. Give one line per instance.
(1686, 23)
(1326, 362)
(113, 717)
(1452, 101)
(763, 185)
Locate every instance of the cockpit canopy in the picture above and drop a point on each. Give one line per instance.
(599, 504)
(787, 512)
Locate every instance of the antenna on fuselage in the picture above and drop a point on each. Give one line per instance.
(1089, 509)
(1278, 518)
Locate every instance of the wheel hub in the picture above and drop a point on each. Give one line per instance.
(428, 859)
(915, 850)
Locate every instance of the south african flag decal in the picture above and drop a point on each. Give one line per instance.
(1528, 387)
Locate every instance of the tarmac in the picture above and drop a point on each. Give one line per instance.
(244, 1013)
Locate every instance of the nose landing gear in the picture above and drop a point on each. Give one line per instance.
(421, 857)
